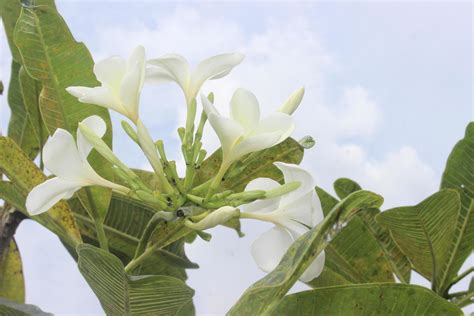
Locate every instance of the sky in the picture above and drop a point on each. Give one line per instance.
(388, 93)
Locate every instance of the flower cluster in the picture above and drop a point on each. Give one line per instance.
(293, 207)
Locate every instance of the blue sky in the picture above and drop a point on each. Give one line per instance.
(388, 93)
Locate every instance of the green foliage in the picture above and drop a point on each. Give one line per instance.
(459, 175)
(12, 285)
(24, 175)
(9, 308)
(40, 34)
(424, 231)
(121, 294)
(264, 295)
(367, 299)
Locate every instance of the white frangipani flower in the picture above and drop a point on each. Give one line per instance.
(244, 132)
(293, 214)
(173, 67)
(67, 160)
(121, 84)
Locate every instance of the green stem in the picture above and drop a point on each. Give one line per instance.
(462, 276)
(99, 226)
(466, 300)
(216, 181)
(150, 227)
(137, 261)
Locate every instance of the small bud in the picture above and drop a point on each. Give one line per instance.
(219, 216)
(210, 97)
(130, 131)
(307, 142)
(282, 189)
(292, 103)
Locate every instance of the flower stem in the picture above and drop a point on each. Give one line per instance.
(99, 227)
(150, 227)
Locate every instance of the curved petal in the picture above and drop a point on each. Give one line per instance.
(98, 126)
(138, 57)
(177, 68)
(208, 106)
(318, 214)
(61, 157)
(130, 90)
(315, 269)
(266, 205)
(292, 103)
(213, 68)
(157, 75)
(269, 248)
(295, 173)
(244, 108)
(227, 130)
(276, 122)
(110, 71)
(102, 96)
(47, 194)
(301, 210)
(256, 143)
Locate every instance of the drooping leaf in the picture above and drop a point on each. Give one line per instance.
(265, 295)
(12, 282)
(20, 128)
(367, 299)
(353, 256)
(51, 55)
(398, 261)
(459, 175)
(120, 294)
(424, 231)
(24, 175)
(10, 308)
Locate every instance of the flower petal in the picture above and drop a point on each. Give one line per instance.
(213, 68)
(244, 108)
(295, 173)
(292, 103)
(110, 71)
(61, 157)
(98, 126)
(176, 68)
(315, 269)
(304, 210)
(266, 205)
(130, 90)
(256, 143)
(102, 96)
(276, 122)
(47, 194)
(269, 248)
(208, 106)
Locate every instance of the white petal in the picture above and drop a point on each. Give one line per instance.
(301, 210)
(227, 130)
(269, 248)
(130, 90)
(256, 143)
(102, 96)
(266, 205)
(315, 269)
(244, 108)
(295, 173)
(111, 71)
(177, 68)
(158, 75)
(98, 126)
(47, 194)
(213, 68)
(280, 122)
(61, 157)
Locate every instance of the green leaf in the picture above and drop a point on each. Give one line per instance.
(20, 128)
(25, 175)
(51, 55)
(368, 299)
(258, 165)
(354, 255)
(121, 294)
(424, 231)
(459, 175)
(12, 285)
(398, 261)
(264, 295)
(9, 308)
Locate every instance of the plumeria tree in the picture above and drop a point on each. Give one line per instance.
(127, 228)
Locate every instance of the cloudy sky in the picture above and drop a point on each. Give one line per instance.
(388, 93)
